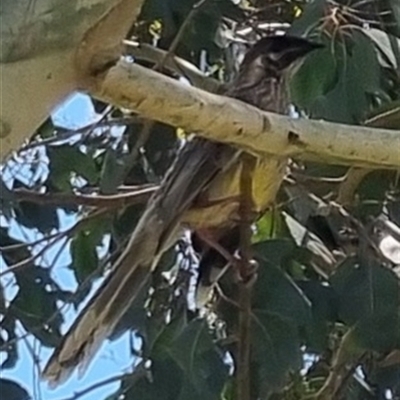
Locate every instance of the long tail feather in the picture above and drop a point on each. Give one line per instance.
(155, 233)
(99, 318)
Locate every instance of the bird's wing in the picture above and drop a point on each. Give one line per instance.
(199, 162)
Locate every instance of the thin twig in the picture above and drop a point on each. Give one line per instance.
(141, 141)
(180, 66)
(93, 387)
(172, 49)
(35, 366)
(213, 243)
(70, 299)
(69, 232)
(136, 195)
(246, 278)
(344, 362)
(65, 134)
(12, 247)
(350, 184)
(148, 124)
(139, 194)
(224, 297)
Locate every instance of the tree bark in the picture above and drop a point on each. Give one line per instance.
(223, 119)
(37, 63)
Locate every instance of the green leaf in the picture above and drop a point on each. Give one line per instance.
(274, 251)
(324, 308)
(200, 34)
(34, 215)
(200, 362)
(185, 365)
(368, 298)
(111, 172)
(350, 99)
(276, 292)
(376, 185)
(388, 377)
(161, 339)
(35, 304)
(317, 76)
(269, 226)
(66, 160)
(334, 106)
(280, 311)
(312, 14)
(84, 254)
(387, 45)
(372, 192)
(12, 390)
(275, 352)
(364, 57)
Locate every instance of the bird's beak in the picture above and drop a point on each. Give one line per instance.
(292, 55)
(301, 49)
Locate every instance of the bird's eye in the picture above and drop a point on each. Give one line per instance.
(276, 55)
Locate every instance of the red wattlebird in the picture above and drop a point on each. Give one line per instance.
(202, 170)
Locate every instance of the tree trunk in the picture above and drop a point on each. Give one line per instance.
(37, 62)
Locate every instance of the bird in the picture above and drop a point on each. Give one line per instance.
(198, 193)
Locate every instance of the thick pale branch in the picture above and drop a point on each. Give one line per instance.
(41, 41)
(230, 121)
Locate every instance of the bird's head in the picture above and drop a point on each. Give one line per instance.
(263, 74)
(275, 54)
